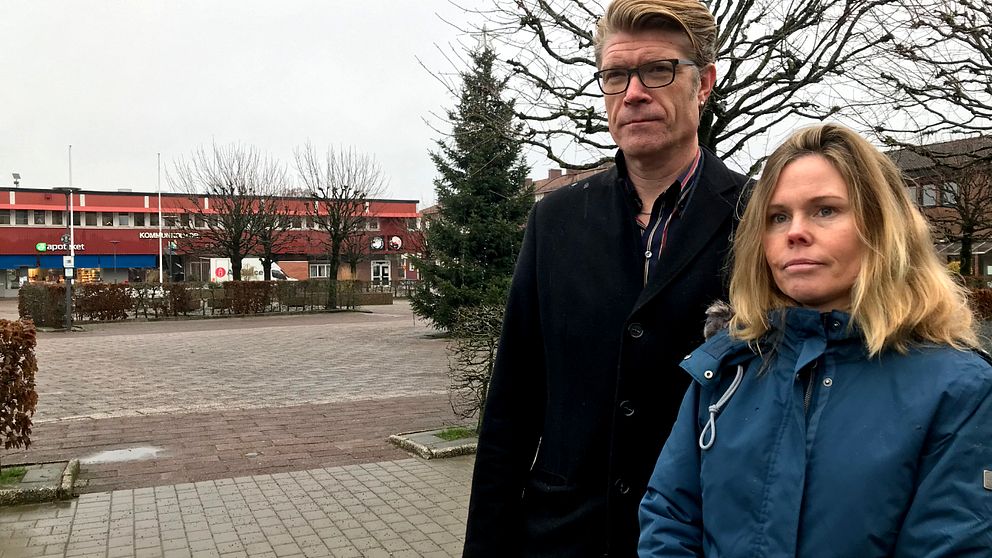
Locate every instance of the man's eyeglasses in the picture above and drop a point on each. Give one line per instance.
(613, 81)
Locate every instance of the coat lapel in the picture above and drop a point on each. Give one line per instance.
(713, 202)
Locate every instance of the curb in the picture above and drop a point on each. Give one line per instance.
(426, 446)
(63, 490)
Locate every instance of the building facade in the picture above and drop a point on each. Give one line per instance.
(117, 238)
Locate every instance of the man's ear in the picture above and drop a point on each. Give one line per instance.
(707, 79)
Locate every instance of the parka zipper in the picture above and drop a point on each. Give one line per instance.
(808, 398)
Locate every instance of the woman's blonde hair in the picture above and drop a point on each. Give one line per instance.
(691, 17)
(902, 295)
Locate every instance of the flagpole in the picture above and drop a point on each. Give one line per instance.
(160, 257)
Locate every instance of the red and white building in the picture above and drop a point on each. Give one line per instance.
(117, 239)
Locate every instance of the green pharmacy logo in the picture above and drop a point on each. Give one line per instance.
(41, 246)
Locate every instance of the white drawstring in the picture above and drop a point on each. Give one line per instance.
(715, 410)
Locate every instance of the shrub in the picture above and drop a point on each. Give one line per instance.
(18, 397)
(248, 297)
(179, 299)
(43, 303)
(471, 357)
(981, 303)
(102, 301)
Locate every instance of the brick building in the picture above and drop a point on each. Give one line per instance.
(117, 239)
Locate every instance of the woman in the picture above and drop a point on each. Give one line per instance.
(846, 410)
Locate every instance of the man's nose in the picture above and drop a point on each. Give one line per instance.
(636, 92)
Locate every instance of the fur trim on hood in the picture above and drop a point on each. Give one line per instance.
(717, 317)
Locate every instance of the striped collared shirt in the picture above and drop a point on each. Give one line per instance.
(666, 213)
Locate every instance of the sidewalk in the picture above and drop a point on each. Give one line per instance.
(403, 508)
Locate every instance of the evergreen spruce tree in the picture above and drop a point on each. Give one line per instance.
(472, 243)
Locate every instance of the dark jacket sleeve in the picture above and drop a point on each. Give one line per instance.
(513, 415)
(951, 511)
(671, 514)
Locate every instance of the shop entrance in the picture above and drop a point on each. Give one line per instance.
(380, 272)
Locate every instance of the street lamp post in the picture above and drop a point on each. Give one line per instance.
(69, 269)
(114, 243)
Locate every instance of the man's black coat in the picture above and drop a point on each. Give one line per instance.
(587, 385)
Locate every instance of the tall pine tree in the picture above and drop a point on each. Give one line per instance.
(472, 243)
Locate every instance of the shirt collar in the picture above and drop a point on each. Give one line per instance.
(685, 178)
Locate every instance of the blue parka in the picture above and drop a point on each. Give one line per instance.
(824, 452)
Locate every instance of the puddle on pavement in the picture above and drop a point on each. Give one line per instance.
(121, 455)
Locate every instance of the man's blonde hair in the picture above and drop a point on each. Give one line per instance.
(902, 294)
(684, 16)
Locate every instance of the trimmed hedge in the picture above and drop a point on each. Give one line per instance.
(101, 301)
(43, 303)
(248, 297)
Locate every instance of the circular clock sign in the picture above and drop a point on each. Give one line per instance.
(395, 243)
(378, 243)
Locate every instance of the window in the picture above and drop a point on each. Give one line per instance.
(297, 222)
(372, 224)
(153, 219)
(139, 219)
(76, 216)
(108, 219)
(91, 218)
(184, 220)
(58, 217)
(39, 217)
(319, 271)
(4, 216)
(169, 221)
(310, 223)
(21, 217)
(913, 191)
(199, 222)
(123, 219)
(929, 195)
(950, 193)
(412, 224)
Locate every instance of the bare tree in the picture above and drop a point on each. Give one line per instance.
(223, 187)
(941, 74)
(956, 177)
(342, 183)
(276, 231)
(794, 60)
(354, 251)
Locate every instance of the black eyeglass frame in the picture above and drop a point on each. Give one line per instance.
(675, 62)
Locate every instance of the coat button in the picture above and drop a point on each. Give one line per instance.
(621, 486)
(635, 330)
(627, 408)
(647, 254)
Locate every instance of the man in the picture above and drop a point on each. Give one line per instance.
(608, 296)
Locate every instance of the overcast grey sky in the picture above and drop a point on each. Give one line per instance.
(123, 80)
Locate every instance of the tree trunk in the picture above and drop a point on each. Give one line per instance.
(966, 254)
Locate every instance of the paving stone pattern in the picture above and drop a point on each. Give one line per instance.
(219, 444)
(116, 370)
(403, 508)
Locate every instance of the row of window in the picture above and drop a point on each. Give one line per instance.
(110, 219)
(79, 218)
